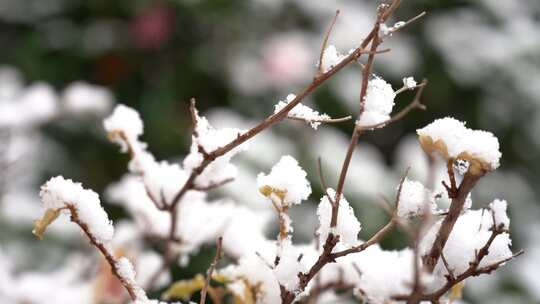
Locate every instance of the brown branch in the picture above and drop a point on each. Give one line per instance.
(456, 206)
(204, 290)
(452, 189)
(109, 256)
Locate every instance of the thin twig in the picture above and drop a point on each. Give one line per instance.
(214, 185)
(109, 256)
(321, 120)
(325, 42)
(217, 257)
(323, 181)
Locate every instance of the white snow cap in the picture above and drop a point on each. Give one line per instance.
(409, 82)
(302, 112)
(413, 199)
(287, 180)
(498, 207)
(347, 226)
(331, 58)
(82, 98)
(378, 102)
(453, 140)
(59, 192)
(124, 121)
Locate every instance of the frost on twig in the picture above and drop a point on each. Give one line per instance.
(304, 113)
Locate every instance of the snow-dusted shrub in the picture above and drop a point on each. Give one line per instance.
(168, 203)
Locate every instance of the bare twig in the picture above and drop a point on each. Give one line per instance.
(213, 186)
(323, 181)
(325, 42)
(217, 257)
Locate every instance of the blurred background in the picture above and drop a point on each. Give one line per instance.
(65, 63)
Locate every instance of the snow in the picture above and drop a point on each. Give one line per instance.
(414, 198)
(127, 272)
(33, 105)
(255, 272)
(378, 103)
(164, 180)
(383, 273)
(84, 98)
(287, 270)
(211, 139)
(124, 122)
(147, 264)
(470, 234)
(409, 82)
(301, 111)
(453, 140)
(347, 227)
(59, 192)
(287, 180)
(331, 58)
(498, 207)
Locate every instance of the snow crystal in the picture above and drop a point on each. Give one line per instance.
(82, 98)
(301, 111)
(378, 102)
(287, 180)
(413, 199)
(498, 207)
(348, 225)
(453, 140)
(331, 58)
(409, 82)
(59, 192)
(124, 122)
